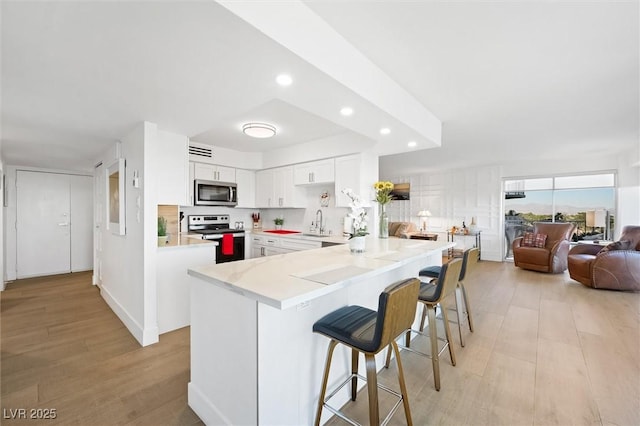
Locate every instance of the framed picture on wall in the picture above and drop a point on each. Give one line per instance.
(400, 191)
(116, 197)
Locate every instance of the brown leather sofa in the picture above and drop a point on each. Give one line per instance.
(550, 258)
(616, 267)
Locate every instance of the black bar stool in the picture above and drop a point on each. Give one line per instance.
(432, 296)
(367, 331)
(469, 261)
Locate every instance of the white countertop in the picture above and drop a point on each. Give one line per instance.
(187, 241)
(286, 280)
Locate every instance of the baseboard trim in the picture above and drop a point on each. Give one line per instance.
(205, 409)
(144, 337)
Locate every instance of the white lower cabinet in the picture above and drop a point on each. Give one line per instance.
(268, 246)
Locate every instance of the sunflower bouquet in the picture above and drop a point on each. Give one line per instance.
(383, 192)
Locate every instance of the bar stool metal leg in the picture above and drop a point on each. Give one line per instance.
(354, 370)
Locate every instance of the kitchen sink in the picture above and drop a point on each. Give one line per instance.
(315, 235)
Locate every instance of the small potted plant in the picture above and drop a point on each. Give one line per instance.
(162, 231)
(279, 221)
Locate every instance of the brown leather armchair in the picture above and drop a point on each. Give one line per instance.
(550, 258)
(616, 269)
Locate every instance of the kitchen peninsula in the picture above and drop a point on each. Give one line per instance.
(254, 357)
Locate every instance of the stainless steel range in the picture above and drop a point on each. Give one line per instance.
(218, 227)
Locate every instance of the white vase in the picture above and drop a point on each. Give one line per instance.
(162, 241)
(356, 244)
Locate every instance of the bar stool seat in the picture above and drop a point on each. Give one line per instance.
(430, 271)
(463, 308)
(351, 325)
(368, 331)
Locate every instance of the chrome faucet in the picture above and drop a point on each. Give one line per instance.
(319, 224)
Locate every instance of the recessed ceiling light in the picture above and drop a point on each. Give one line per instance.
(259, 130)
(346, 111)
(412, 144)
(284, 80)
(385, 131)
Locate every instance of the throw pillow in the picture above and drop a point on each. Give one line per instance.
(539, 240)
(616, 245)
(402, 229)
(534, 240)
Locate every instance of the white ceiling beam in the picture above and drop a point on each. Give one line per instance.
(296, 27)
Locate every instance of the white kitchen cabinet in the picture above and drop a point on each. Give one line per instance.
(246, 180)
(264, 188)
(275, 188)
(315, 172)
(267, 245)
(214, 172)
(173, 165)
(358, 172)
(297, 245)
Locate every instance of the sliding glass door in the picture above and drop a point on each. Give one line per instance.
(588, 201)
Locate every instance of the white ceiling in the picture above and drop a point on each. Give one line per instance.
(503, 77)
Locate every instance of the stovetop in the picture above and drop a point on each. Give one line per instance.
(211, 225)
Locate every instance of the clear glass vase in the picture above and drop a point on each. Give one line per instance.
(384, 222)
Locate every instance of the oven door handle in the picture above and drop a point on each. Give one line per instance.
(219, 236)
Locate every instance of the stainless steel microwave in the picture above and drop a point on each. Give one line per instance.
(209, 193)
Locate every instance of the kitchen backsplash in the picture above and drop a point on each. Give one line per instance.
(294, 219)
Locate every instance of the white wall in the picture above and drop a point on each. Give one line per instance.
(453, 197)
(238, 159)
(456, 195)
(129, 261)
(2, 227)
(628, 190)
(334, 146)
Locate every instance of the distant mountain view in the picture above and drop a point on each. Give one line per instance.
(539, 208)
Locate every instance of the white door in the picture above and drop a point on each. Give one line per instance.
(43, 224)
(98, 222)
(81, 196)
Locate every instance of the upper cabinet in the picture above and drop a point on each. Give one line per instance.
(358, 172)
(275, 188)
(315, 172)
(173, 158)
(214, 172)
(246, 180)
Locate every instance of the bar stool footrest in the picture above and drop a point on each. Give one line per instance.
(340, 414)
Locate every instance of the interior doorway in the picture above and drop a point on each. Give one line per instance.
(54, 222)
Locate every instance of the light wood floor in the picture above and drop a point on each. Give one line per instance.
(546, 351)
(63, 348)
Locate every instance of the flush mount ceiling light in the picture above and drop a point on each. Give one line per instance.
(412, 144)
(385, 131)
(284, 80)
(346, 111)
(259, 130)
